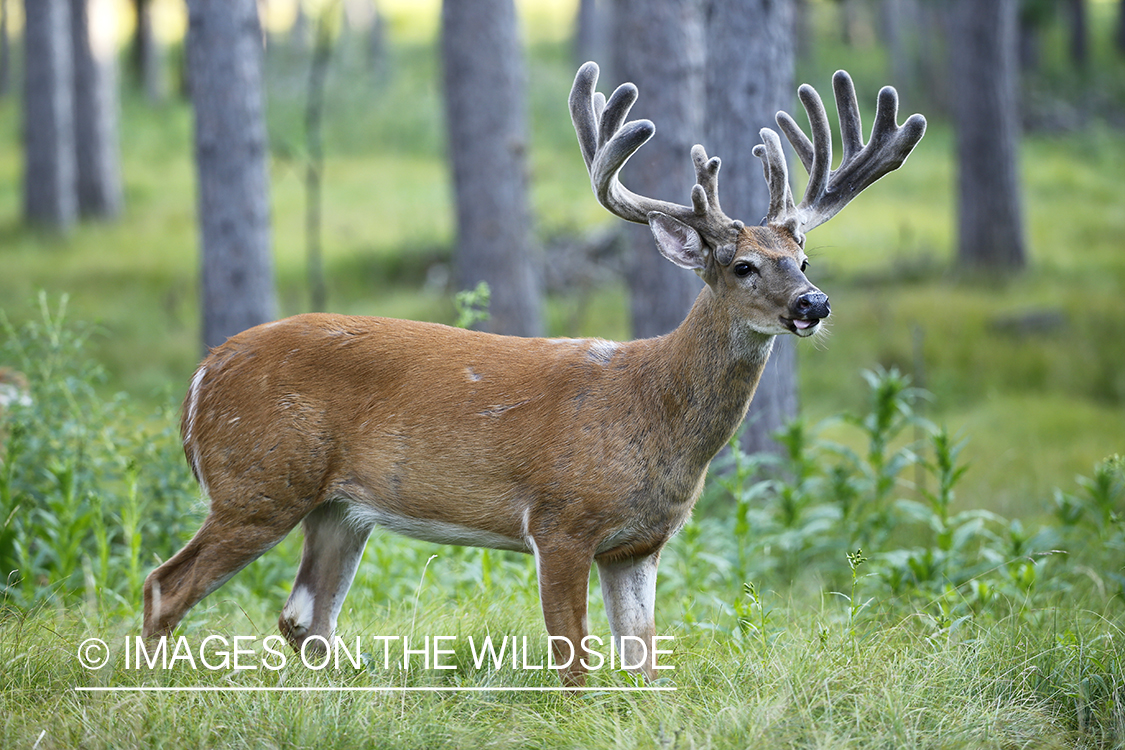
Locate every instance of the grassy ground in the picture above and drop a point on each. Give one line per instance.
(1042, 679)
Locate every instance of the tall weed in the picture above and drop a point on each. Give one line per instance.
(83, 479)
(930, 555)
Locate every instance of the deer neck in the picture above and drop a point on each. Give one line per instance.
(711, 367)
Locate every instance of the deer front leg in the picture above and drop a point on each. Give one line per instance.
(564, 577)
(629, 590)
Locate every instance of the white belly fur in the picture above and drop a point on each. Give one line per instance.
(439, 532)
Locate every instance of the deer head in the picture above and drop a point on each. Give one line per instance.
(765, 263)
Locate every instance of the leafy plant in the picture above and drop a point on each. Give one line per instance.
(472, 305)
(77, 470)
(815, 508)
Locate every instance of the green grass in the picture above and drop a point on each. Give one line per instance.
(1045, 681)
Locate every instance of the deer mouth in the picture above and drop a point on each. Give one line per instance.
(801, 326)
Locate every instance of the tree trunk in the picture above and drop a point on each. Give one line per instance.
(848, 21)
(902, 28)
(1120, 36)
(1029, 45)
(314, 165)
(95, 113)
(484, 95)
(588, 31)
(147, 55)
(48, 115)
(225, 58)
(891, 15)
(659, 46)
(5, 52)
(750, 59)
(153, 74)
(377, 48)
(986, 117)
(1079, 34)
(300, 33)
(933, 55)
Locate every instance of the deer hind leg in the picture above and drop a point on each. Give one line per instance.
(225, 544)
(564, 578)
(334, 543)
(629, 590)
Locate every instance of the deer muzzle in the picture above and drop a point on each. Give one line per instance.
(806, 311)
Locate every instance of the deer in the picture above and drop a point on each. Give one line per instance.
(575, 451)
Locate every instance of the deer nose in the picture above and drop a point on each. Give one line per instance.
(811, 305)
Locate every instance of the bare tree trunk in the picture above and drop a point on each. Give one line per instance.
(986, 116)
(5, 52)
(1079, 33)
(933, 54)
(659, 47)
(138, 50)
(848, 21)
(902, 28)
(48, 115)
(1120, 36)
(300, 33)
(891, 15)
(1029, 45)
(314, 166)
(153, 73)
(750, 59)
(588, 26)
(147, 55)
(225, 58)
(377, 49)
(95, 114)
(485, 100)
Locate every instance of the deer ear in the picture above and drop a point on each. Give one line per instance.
(677, 241)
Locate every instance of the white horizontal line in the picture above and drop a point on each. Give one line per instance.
(404, 689)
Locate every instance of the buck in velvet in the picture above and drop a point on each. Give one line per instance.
(578, 452)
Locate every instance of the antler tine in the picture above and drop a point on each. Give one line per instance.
(847, 109)
(599, 105)
(612, 117)
(585, 112)
(862, 164)
(821, 168)
(705, 194)
(607, 142)
(782, 211)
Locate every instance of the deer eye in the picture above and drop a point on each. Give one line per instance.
(743, 269)
(804, 265)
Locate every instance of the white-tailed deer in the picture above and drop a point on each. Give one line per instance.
(575, 451)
